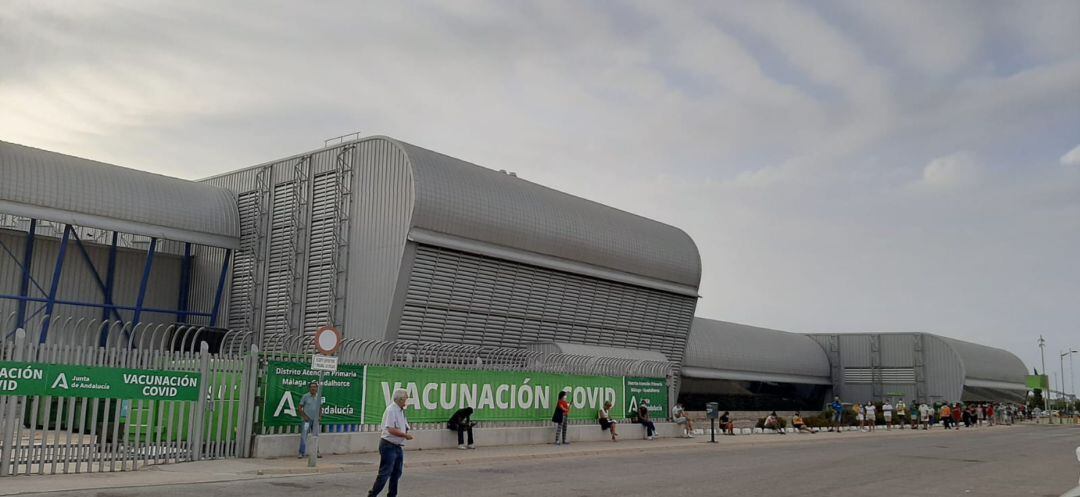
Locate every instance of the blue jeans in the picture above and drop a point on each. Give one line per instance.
(391, 460)
(305, 428)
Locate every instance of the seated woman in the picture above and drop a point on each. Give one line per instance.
(799, 424)
(462, 424)
(606, 423)
(772, 422)
(726, 426)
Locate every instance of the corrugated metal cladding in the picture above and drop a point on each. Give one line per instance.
(454, 297)
(368, 195)
(919, 365)
(737, 347)
(77, 283)
(288, 272)
(597, 351)
(57, 187)
(463, 199)
(987, 363)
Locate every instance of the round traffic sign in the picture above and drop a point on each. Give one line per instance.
(327, 340)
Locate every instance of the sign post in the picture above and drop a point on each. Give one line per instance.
(712, 409)
(327, 342)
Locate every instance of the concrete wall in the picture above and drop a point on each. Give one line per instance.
(268, 446)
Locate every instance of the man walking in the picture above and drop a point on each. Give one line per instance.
(310, 414)
(395, 431)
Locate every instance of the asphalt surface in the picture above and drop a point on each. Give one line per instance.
(1014, 461)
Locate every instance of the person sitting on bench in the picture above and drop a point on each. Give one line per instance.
(462, 424)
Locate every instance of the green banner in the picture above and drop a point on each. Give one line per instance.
(654, 389)
(435, 394)
(287, 382)
(61, 380)
(1038, 381)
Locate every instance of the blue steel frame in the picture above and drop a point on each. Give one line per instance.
(28, 259)
(108, 307)
(145, 279)
(110, 276)
(185, 285)
(220, 287)
(105, 290)
(51, 302)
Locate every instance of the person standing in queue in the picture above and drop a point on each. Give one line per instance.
(395, 431)
(310, 409)
(560, 417)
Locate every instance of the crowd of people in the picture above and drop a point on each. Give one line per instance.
(950, 415)
(395, 426)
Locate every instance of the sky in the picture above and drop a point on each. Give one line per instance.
(843, 166)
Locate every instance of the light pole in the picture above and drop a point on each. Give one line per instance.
(1046, 395)
(1061, 358)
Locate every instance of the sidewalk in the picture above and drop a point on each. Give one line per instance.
(249, 469)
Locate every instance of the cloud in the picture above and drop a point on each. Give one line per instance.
(799, 144)
(1072, 158)
(952, 171)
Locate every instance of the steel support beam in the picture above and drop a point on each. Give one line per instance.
(220, 287)
(97, 277)
(51, 302)
(145, 281)
(185, 285)
(110, 277)
(155, 310)
(24, 285)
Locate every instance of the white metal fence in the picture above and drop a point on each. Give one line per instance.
(50, 434)
(45, 434)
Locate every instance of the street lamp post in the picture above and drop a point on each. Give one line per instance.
(1061, 359)
(1046, 395)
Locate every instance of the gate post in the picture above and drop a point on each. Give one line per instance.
(9, 413)
(248, 385)
(201, 404)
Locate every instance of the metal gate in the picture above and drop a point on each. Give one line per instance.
(45, 434)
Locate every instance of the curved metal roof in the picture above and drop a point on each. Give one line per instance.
(598, 351)
(723, 350)
(464, 200)
(989, 367)
(62, 188)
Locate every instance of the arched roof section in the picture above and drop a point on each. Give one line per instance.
(56, 187)
(989, 367)
(461, 199)
(723, 350)
(598, 351)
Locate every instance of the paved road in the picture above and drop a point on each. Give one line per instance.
(1009, 462)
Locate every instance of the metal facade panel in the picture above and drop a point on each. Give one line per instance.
(897, 350)
(944, 370)
(150, 204)
(455, 297)
(470, 201)
(988, 363)
(856, 351)
(379, 225)
(737, 347)
(597, 351)
(460, 199)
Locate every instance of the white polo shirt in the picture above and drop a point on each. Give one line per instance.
(394, 417)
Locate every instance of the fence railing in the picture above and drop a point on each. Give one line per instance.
(49, 434)
(431, 355)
